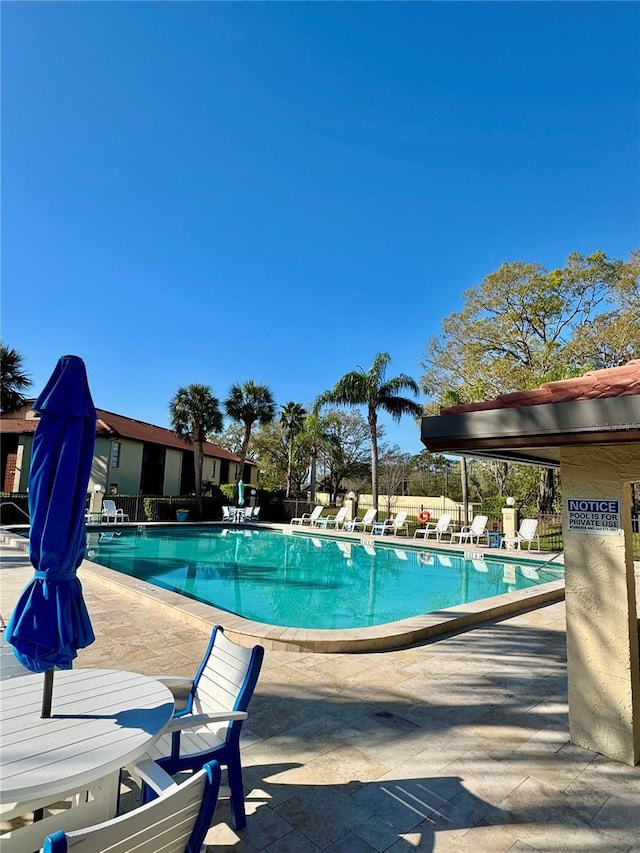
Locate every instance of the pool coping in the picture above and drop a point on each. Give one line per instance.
(392, 635)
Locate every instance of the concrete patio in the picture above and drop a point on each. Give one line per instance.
(459, 744)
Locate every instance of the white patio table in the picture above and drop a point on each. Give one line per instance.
(102, 720)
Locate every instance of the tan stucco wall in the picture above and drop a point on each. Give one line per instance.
(172, 472)
(602, 638)
(23, 463)
(127, 474)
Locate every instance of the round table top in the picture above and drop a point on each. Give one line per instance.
(101, 720)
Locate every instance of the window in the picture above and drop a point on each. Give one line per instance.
(213, 468)
(115, 454)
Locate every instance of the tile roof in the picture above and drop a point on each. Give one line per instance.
(597, 384)
(111, 425)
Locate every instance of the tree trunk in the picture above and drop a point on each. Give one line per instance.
(289, 467)
(465, 488)
(546, 493)
(373, 428)
(198, 459)
(314, 462)
(243, 455)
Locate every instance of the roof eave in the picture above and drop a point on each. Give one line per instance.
(513, 434)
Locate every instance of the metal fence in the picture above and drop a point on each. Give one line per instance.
(14, 509)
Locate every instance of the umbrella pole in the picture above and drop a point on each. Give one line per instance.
(47, 693)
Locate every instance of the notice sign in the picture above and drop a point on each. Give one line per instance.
(593, 515)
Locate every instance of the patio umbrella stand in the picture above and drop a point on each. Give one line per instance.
(50, 621)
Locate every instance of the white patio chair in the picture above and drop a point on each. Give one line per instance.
(361, 523)
(209, 727)
(110, 513)
(334, 522)
(175, 822)
(527, 533)
(309, 518)
(226, 514)
(393, 526)
(437, 529)
(472, 532)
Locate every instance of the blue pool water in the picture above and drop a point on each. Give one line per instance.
(304, 581)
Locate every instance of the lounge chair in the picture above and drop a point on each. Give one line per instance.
(226, 514)
(356, 524)
(248, 513)
(472, 532)
(527, 533)
(438, 528)
(110, 513)
(256, 514)
(209, 727)
(309, 518)
(333, 521)
(392, 526)
(176, 821)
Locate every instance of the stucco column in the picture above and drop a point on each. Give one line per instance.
(602, 633)
(351, 504)
(509, 520)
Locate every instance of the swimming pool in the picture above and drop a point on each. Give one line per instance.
(306, 581)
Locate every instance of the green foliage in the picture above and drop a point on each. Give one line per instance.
(229, 491)
(194, 412)
(249, 404)
(150, 506)
(13, 380)
(372, 390)
(521, 327)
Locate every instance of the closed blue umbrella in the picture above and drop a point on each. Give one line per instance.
(50, 622)
(240, 493)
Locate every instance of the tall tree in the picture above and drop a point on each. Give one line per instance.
(194, 413)
(13, 380)
(519, 328)
(372, 390)
(292, 420)
(248, 404)
(346, 452)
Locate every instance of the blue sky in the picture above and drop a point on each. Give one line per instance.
(212, 192)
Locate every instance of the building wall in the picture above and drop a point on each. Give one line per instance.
(127, 474)
(172, 472)
(602, 633)
(23, 463)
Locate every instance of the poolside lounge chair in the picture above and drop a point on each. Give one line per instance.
(309, 518)
(361, 523)
(176, 821)
(472, 532)
(333, 521)
(392, 526)
(255, 516)
(438, 528)
(110, 513)
(226, 514)
(248, 513)
(209, 727)
(527, 533)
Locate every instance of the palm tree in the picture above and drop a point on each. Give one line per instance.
(13, 380)
(248, 404)
(195, 412)
(292, 419)
(371, 389)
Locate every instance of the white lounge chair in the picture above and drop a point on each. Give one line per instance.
(361, 523)
(309, 518)
(176, 821)
(110, 513)
(392, 526)
(527, 533)
(334, 522)
(437, 529)
(472, 532)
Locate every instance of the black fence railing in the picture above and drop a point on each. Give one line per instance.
(14, 509)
